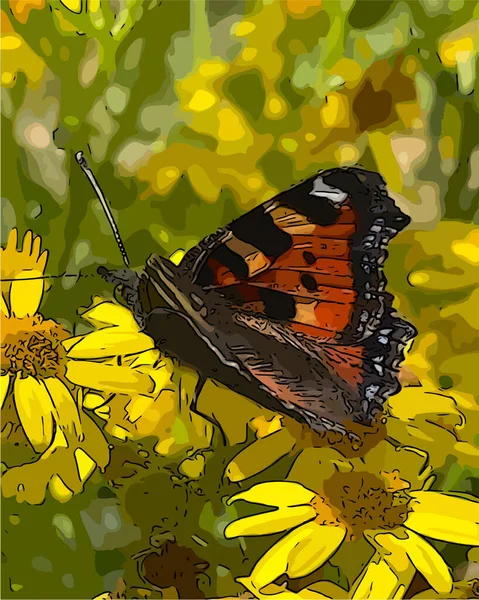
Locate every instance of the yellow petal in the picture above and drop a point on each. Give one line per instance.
(27, 242)
(276, 493)
(413, 402)
(108, 378)
(161, 377)
(427, 560)
(274, 521)
(36, 247)
(314, 466)
(103, 412)
(85, 464)
(297, 554)
(378, 580)
(4, 307)
(59, 490)
(68, 343)
(149, 358)
(4, 383)
(110, 342)
(260, 455)
(12, 241)
(66, 411)
(138, 406)
(120, 432)
(108, 313)
(26, 294)
(318, 545)
(92, 401)
(445, 517)
(264, 427)
(34, 407)
(327, 589)
(272, 591)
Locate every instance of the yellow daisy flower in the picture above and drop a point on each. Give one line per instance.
(135, 389)
(32, 357)
(33, 363)
(343, 500)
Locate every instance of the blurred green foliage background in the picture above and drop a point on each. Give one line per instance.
(190, 113)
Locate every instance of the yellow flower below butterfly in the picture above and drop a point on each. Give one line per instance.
(33, 364)
(391, 519)
(138, 391)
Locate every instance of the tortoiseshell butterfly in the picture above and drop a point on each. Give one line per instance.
(287, 304)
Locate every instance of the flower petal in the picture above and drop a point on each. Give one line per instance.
(137, 407)
(414, 402)
(103, 412)
(427, 560)
(260, 455)
(91, 401)
(4, 307)
(27, 243)
(59, 490)
(445, 517)
(26, 294)
(326, 589)
(36, 247)
(109, 378)
(314, 466)
(34, 407)
(85, 464)
(149, 358)
(110, 342)
(318, 545)
(297, 554)
(12, 240)
(4, 383)
(108, 314)
(71, 341)
(276, 493)
(274, 521)
(66, 410)
(273, 591)
(378, 580)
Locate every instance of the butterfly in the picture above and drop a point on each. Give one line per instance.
(288, 303)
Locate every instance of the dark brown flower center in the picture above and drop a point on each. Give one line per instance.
(361, 501)
(32, 346)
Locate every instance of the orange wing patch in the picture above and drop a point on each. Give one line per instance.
(316, 271)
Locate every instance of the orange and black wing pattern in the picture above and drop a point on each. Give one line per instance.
(292, 295)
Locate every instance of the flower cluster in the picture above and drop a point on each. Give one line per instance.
(64, 396)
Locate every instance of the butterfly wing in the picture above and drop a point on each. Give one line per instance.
(292, 295)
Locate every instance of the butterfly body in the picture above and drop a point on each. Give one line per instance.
(291, 299)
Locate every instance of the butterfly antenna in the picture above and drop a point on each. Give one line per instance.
(98, 191)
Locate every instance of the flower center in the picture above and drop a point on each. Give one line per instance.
(360, 501)
(32, 346)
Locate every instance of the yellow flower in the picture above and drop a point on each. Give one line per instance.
(33, 375)
(135, 389)
(345, 499)
(32, 358)
(442, 424)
